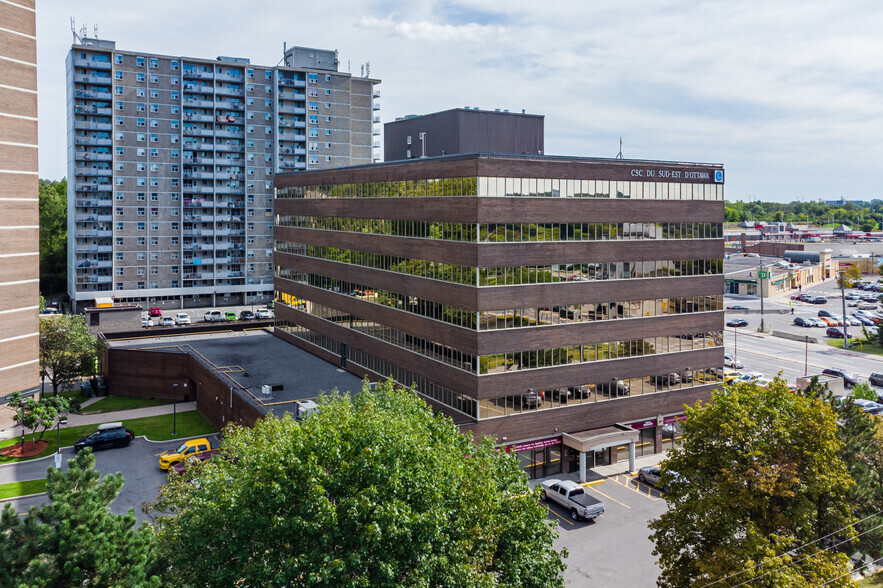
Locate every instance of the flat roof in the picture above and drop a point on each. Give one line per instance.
(266, 359)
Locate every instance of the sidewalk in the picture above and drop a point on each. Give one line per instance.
(601, 473)
(76, 420)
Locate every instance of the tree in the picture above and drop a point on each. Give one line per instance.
(33, 414)
(373, 490)
(863, 390)
(53, 236)
(757, 480)
(67, 349)
(75, 540)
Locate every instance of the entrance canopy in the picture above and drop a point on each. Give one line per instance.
(601, 438)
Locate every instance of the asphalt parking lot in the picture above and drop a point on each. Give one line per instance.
(139, 464)
(615, 549)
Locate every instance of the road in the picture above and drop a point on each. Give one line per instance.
(138, 463)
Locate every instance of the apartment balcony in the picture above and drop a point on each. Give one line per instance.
(93, 141)
(235, 147)
(230, 134)
(191, 73)
(223, 91)
(292, 151)
(198, 160)
(198, 232)
(198, 218)
(229, 105)
(199, 261)
(94, 218)
(92, 79)
(92, 95)
(229, 176)
(197, 175)
(91, 64)
(229, 189)
(194, 102)
(198, 189)
(293, 124)
(296, 96)
(92, 263)
(92, 110)
(94, 279)
(94, 233)
(92, 156)
(93, 187)
(226, 77)
(199, 145)
(293, 83)
(85, 249)
(293, 165)
(92, 126)
(376, 132)
(197, 131)
(230, 260)
(290, 135)
(375, 106)
(375, 93)
(292, 110)
(197, 89)
(94, 203)
(93, 172)
(192, 116)
(197, 203)
(376, 119)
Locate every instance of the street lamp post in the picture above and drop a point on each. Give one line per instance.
(760, 278)
(735, 346)
(175, 409)
(806, 356)
(843, 306)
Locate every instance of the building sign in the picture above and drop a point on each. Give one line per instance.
(652, 422)
(540, 444)
(676, 174)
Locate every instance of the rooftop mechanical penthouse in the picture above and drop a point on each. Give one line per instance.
(528, 297)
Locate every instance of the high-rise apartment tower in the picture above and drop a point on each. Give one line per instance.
(171, 163)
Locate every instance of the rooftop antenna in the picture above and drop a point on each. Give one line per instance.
(367, 69)
(363, 70)
(77, 38)
(619, 155)
(95, 31)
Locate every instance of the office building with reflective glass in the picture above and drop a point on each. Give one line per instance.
(528, 297)
(171, 163)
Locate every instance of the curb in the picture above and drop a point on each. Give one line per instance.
(5, 500)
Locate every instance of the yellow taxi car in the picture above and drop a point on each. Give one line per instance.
(187, 449)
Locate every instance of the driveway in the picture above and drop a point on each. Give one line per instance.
(138, 463)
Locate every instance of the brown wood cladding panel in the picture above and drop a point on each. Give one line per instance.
(428, 249)
(414, 170)
(458, 380)
(542, 295)
(502, 254)
(588, 416)
(471, 166)
(422, 209)
(455, 294)
(597, 332)
(593, 210)
(518, 381)
(444, 333)
(20, 185)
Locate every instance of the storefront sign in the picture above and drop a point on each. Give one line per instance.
(540, 444)
(652, 422)
(673, 419)
(644, 424)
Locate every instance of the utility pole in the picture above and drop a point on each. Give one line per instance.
(760, 278)
(843, 305)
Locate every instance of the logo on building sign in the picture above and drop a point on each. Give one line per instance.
(719, 176)
(540, 444)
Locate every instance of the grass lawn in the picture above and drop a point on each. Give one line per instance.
(115, 403)
(856, 345)
(872, 581)
(158, 428)
(24, 488)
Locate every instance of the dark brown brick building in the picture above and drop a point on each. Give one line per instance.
(528, 297)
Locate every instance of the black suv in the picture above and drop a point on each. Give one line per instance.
(849, 380)
(108, 435)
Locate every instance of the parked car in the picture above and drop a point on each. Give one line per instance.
(182, 318)
(531, 399)
(179, 467)
(732, 362)
(737, 307)
(572, 497)
(213, 316)
(666, 379)
(108, 435)
(246, 315)
(802, 322)
(869, 406)
(613, 388)
(686, 375)
(560, 394)
(835, 332)
(830, 322)
(264, 313)
(230, 315)
(850, 321)
(737, 323)
(852, 296)
(876, 378)
(817, 300)
(167, 321)
(817, 322)
(187, 449)
(825, 313)
(154, 311)
(849, 380)
(146, 322)
(873, 331)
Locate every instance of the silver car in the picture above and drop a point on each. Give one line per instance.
(650, 475)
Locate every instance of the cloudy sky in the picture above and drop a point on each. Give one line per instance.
(788, 95)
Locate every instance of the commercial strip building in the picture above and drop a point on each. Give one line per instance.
(171, 163)
(547, 301)
(463, 130)
(768, 275)
(19, 198)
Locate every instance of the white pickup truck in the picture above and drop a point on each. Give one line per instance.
(573, 497)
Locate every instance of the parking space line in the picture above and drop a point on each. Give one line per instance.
(609, 497)
(556, 514)
(594, 483)
(639, 487)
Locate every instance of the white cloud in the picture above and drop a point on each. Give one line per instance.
(434, 32)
